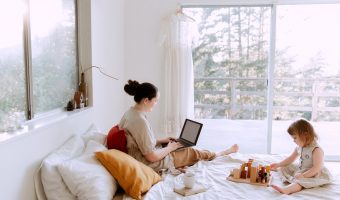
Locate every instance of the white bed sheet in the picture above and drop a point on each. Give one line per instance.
(212, 174)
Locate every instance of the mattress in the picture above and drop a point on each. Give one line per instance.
(213, 176)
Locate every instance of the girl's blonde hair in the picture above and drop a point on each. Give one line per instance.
(304, 130)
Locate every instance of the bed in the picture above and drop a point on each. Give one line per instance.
(212, 175)
(72, 172)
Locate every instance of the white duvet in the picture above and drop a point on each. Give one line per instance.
(212, 175)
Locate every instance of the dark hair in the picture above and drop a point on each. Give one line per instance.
(304, 130)
(140, 91)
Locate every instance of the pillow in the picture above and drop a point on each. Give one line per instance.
(133, 176)
(54, 186)
(116, 139)
(86, 177)
(92, 133)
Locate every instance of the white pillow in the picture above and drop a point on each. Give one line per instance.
(93, 133)
(86, 177)
(54, 187)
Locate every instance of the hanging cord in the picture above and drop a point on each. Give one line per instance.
(100, 70)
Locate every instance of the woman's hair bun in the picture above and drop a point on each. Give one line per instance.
(131, 87)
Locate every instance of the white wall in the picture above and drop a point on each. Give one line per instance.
(108, 53)
(143, 55)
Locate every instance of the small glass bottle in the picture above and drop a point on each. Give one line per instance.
(83, 89)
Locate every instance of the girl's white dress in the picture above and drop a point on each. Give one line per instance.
(306, 162)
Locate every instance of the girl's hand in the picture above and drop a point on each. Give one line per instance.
(274, 166)
(298, 175)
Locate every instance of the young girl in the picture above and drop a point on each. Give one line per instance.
(311, 171)
(142, 143)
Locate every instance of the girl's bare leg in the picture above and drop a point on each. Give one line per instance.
(294, 187)
(234, 148)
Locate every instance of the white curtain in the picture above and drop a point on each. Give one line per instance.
(178, 35)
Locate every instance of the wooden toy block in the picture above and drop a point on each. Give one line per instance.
(236, 173)
(251, 173)
(240, 180)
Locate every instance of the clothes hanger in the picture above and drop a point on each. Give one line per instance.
(180, 12)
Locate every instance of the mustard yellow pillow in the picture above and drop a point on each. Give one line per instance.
(133, 176)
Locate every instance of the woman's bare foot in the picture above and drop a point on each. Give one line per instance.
(234, 148)
(182, 169)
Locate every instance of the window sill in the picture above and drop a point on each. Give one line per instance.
(42, 121)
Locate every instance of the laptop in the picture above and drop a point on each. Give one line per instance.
(190, 132)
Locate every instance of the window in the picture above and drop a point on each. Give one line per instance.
(38, 57)
(230, 64)
(259, 67)
(306, 79)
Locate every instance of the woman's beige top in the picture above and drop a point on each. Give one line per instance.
(141, 139)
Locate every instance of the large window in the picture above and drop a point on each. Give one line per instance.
(231, 62)
(38, 57)
(294, 48)
(306, 79)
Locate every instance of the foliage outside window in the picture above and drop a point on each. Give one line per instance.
(51, 57)
(231, 62)
(307, 70)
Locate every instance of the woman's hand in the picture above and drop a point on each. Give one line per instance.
(174, 145)
(166, 140)
(171, 139)
(159, 154)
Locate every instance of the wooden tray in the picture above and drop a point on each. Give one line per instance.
(241, 180)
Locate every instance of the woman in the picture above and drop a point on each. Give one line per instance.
(141, 142)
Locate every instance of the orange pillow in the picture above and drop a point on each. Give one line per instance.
(116, 139)
(133, 176)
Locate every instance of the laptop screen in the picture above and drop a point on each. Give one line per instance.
(190, 131)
